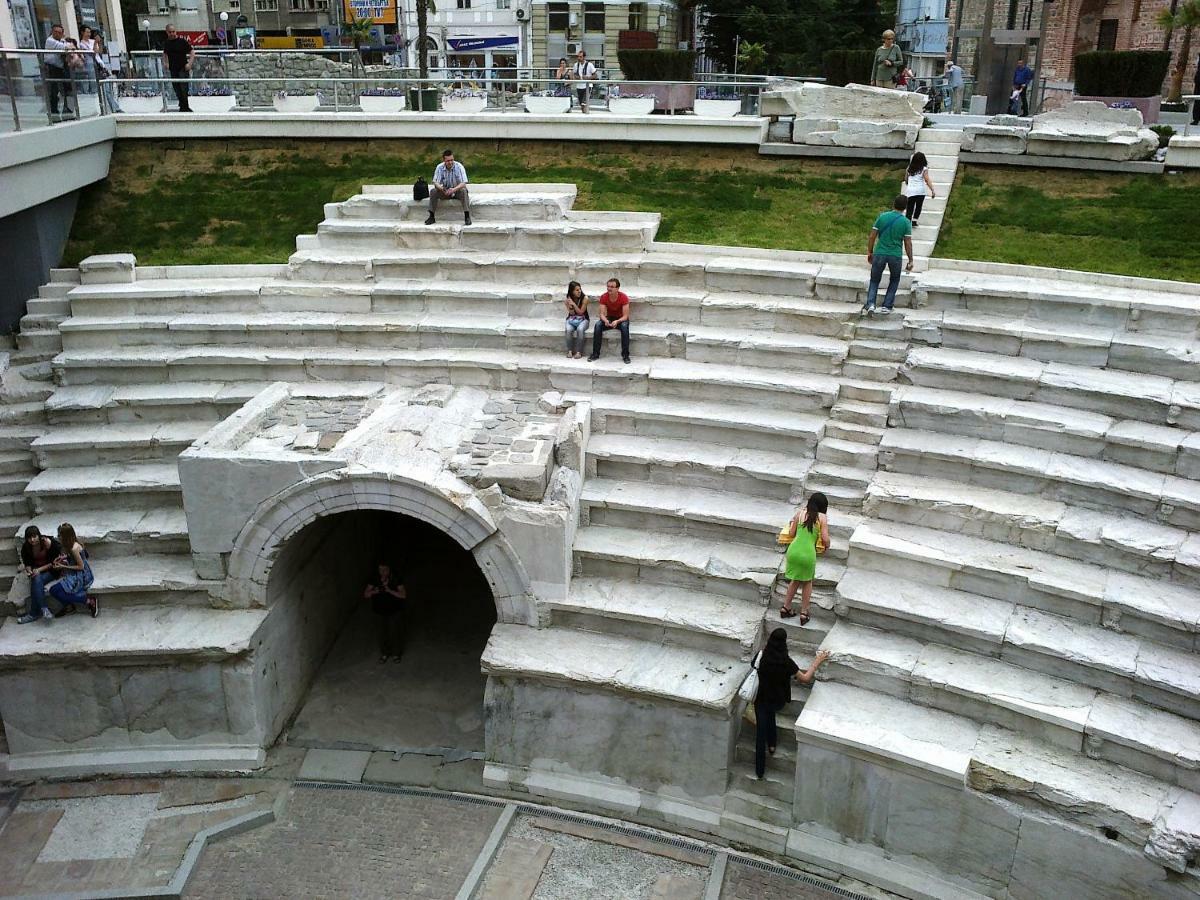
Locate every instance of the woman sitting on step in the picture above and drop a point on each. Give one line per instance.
(577, 320)
(74, 571)
(38, 553)
(775, 673)
(808, 536)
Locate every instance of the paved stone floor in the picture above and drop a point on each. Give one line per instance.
(342, 842)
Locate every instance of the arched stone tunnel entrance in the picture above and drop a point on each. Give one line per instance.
(432, 696)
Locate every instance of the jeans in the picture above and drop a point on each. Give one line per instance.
(598, 337)
(37, 592)
(582, 95)
(110, 96)
(576, 334)
(59, 82)
(435, 194)
(893, 266)
(181, 88)
(956, 95)
(765, 734)
(913, 209)
(390, 630)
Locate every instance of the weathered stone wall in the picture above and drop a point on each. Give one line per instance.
(301, 73)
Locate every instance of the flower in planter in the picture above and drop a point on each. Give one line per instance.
(382, 92)
(463, 93)
(1123, 104)
(283, 95)
(212, 90)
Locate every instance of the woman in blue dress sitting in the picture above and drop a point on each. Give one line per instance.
(75, 573)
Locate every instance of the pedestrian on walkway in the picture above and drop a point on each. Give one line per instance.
(178, 57)
(889, 62)
(917, 183)
(107, 88)
(776, 671)
(74, 573)
(1022, 76)
(38, 553)
(954, 83)
(614, 313)
(389, 602)
(1196, 90)
(58, 79)
(808, 535)
(449, 183)
(581, 73)
(891, 231)
(577, 320)
(87, 73)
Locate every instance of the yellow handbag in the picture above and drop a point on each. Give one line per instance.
(785, 536)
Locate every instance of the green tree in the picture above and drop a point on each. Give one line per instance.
(424, 8)
(1186, 19)
(751, 58)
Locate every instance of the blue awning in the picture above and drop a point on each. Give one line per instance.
(481, 43)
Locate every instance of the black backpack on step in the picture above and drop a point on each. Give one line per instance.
(420, 190)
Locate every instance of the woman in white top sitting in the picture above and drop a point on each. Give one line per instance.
(917, 183)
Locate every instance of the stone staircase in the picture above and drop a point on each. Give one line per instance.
(1018, 616)
(941, 147)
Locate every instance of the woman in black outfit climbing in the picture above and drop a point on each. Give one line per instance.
(776, 670)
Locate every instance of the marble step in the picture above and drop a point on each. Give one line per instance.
(885, 351)
(55, 290)
(143, 485)
(19, 437)
(1092, 595)
(83, 445)
(613, 663)
(669, 304)
(590, 235)
(1138, 546)
(990, 691)
(46, 341)
(857, 412)
(1174, 356)
(118, 368)
(1135, 305)
(776, 787)
(1172, 451)
(678, 616)
(56, 305)
(146, 580)
(109, 533)
(709, 514)
(866, 391)
(757, 808)
(695, 269)
(741, 571)
(155, 403)
(848, 284)
(489, 202)
(705, 421)
(16, 463)
(870, 369)
(853, 454)
(1123, 395)
(376, 332)
(781, 765)
(848, 432)
(23, 414)
(687, 463)
(1115, 488)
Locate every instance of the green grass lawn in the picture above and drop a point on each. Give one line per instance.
(234, 202)
(1145, 225)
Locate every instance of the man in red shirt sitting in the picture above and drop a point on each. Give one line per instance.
(614, 313)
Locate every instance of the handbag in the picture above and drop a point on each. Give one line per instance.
(420, 190)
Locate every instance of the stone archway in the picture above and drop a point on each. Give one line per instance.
(462, 517)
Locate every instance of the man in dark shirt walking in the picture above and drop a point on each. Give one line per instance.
(178, 56)
(1022, 76)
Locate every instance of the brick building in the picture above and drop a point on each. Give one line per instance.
(1072, 26)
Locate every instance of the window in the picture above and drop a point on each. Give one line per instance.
(503, 4)
(323, 4)
(1107, 38)
(464, 4)
(593, 17)
(235, 5)
(266, 5)
(560, 16)
(637, 16)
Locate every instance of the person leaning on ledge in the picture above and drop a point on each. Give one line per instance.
(889, 62)
(449, 183)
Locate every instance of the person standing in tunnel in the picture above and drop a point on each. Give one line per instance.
(389, 603)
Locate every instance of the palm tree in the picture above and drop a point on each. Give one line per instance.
(359, 30)
(1187, 18)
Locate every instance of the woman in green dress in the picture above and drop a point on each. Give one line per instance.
(809, 528)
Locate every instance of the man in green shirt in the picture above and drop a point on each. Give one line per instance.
(890, 231)
(889, 61)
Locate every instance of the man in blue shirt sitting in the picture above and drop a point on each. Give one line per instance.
(1021, 79)
(449, 183)
(891, 229)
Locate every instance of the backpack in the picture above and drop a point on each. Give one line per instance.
(420, 190)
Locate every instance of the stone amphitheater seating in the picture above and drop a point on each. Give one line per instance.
(1011, 603)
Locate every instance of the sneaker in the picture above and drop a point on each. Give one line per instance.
(382, 660)
(431, 220)
(870, 311)
(395, 659)
(466, 218)
(625, 359)
(593, 358)
(47, 616)
(93, 605)
(862, 313)
(26, 619)
(885, 311)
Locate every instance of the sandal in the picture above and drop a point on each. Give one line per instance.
(771, 750)
(785, 613)
(804, 617)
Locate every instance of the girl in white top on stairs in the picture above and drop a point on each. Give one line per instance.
(917, 184)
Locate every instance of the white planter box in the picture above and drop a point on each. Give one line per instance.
(717, 109)
(141, 105)
(370, 104)
(547, 106)
(297, 104)
(212, 104)
(631, 106)
(464, 104)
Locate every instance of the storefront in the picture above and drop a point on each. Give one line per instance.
(481, 60)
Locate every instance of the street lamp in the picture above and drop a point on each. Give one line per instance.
(146, 29)
(225, 28)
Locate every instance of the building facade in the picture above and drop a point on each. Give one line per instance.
(26, 23)
(600, 29)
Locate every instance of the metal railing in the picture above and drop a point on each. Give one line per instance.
(35, 84)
